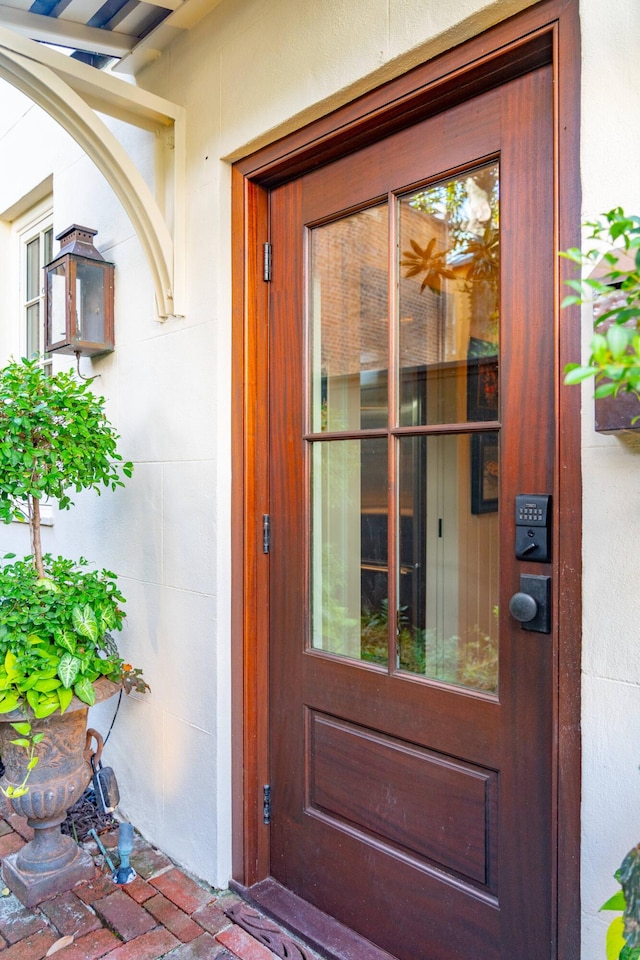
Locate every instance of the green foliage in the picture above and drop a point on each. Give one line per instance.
(615, 351)
(54, 438)
(55, 634)
(56, 615)
(623, 935)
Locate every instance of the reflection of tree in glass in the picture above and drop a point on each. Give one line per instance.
(433, 265)
(469, 206)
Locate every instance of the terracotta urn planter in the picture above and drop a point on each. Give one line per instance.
(50, 863)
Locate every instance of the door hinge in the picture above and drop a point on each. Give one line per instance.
(266, 804)
(266, 254)
(266, 533)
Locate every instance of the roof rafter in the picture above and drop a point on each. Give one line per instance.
(52, 85)
(66, 33)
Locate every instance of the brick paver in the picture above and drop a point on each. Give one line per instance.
(124, 916)
(33, 947)
(162, 915)
(173, 918)
(10, 843)
(149, 862)
(91, 890)
(149, 946)
(20, 825)
(243, 945)
(211, 917)
(204, 948)
(181, 890)
(70, 916)
(16, 921)
(139, 890)
(90, 947)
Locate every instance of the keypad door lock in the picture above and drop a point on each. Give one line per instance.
(533, 527)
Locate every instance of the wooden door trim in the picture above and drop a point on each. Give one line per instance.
(545, 33)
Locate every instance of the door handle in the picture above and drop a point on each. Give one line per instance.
(531, 606)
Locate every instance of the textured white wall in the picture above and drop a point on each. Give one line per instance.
(252, 71)
(611, 476)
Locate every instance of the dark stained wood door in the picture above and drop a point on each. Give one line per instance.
(411, 399)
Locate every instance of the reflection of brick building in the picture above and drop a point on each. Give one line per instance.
(349, 287)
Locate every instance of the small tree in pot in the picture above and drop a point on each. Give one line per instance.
(57, 655)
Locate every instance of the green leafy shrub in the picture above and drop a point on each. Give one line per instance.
(615, 347)
(56, 615)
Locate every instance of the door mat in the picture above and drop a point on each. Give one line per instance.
(267, 933)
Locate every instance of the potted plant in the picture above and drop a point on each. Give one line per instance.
(57, 654)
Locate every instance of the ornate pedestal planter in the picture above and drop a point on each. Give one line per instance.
(51, 862)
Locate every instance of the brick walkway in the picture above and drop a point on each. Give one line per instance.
(163, 913)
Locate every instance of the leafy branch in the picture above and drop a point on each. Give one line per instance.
(615, 352)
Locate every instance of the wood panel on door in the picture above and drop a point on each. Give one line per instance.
(411, 400)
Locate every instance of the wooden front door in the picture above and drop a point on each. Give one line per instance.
(411, 363)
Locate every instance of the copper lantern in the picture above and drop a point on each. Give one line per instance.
(79, 296)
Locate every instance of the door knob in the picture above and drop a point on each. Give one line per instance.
(523, 607)
(531, 606)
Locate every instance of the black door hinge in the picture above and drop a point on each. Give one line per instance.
(266, 533)
(266, 804)
(266, 255)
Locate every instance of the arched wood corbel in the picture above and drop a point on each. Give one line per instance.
(54, 95)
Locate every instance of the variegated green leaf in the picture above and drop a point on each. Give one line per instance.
(84, 621)
(84, 691)
(68, 669)
(66, 640)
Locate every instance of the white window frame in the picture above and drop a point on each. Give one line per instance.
(34, 223)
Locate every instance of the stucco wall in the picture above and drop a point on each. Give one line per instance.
(611, 471)
(263, 68)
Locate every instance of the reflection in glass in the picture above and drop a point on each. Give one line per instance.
(448, 295)
(448, 570)
(349, 554)
(348, 322)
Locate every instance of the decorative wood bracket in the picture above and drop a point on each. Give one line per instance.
(71, 92)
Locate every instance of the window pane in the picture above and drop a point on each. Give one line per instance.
(448, 570)
(348, 327)
(448, 297)
(349, 558)
(48, 246)
(33, 329)
(33, 278)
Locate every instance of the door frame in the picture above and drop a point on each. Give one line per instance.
(547, 33)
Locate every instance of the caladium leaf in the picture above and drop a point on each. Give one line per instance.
(66, 640)
(68, 669)
(84, 691)
(84, 621)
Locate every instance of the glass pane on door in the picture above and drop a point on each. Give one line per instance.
(448, 295)
(448, 567)
(348, 322)
(349, 552)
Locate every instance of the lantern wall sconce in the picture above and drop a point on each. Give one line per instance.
(78, 297)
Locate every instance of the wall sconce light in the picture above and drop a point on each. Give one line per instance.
(79, 297)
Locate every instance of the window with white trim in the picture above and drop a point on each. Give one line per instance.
(33, 233)
(35, 239)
